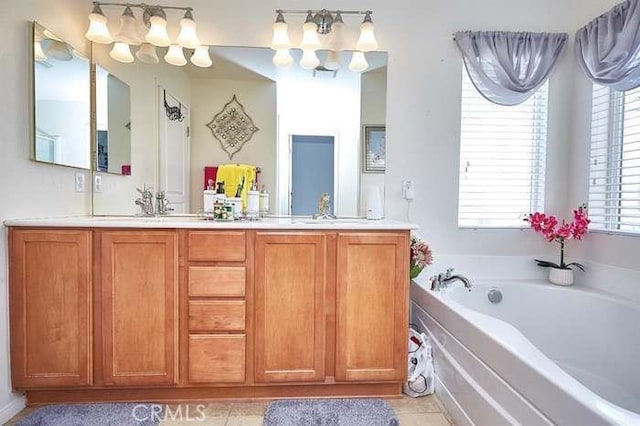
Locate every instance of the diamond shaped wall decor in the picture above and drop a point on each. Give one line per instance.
(232, 127)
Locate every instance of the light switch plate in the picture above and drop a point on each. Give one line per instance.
(97, 183)
(80, 184)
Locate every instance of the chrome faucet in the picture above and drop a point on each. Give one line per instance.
(162, 204)
(443, 280)
(145, 201)
(324, 207)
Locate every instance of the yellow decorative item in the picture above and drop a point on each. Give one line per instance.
(232, 174)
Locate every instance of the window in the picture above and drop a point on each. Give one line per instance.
(502, 159)
(614, 172)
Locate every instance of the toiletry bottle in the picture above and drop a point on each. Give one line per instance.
(264, 201)
(220, 195)
(253, 202)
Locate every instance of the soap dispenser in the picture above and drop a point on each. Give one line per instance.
(253, 201)
(264, 201)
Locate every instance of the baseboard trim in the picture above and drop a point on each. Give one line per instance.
(17, 404)
(168, 395)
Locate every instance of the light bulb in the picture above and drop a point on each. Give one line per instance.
(337, 34)
(358, 62)
(157, 34)
(309, 59)
(280, 38)
(147, 54)
(201, 58)
(367, 41)
(121, 52)
(282, 58)
(333, 61)
(175, 56)
(188, 37)
(98, 31)
(128, 32)
(38, 53)
(310, 39)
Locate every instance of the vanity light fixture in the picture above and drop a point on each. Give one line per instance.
(154, 18)
(323, 30)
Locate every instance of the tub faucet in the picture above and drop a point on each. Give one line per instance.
(443, 280)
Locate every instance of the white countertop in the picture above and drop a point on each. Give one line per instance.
(194, 222)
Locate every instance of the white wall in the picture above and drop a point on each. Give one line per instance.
(208, 97)
(373, 113)
(29, 189)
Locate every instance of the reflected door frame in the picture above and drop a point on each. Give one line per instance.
(336, 149)
(179, 199)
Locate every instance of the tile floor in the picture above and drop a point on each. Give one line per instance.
(426, 411)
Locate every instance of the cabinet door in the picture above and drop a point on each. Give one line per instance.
(289, 307)
(50, 292)
(139, 278)
(372, 306)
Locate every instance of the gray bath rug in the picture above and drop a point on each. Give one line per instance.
(330, 412)
(130, 414)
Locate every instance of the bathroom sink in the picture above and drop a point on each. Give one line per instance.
(329, 221)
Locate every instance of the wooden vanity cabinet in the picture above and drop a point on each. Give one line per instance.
(372, 306)
(290, 297)
(50, 307)
(181, 314)
(139, 303)
(216, 304)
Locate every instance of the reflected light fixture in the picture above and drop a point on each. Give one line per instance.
(331, 25)
(358, 62)
(201, 58)
(154, 18)
(309, 59)
(121, 52)
(38, 53)
(58, 50)
(147, 54)
(175, 56)
(282, 58)
(128, 32)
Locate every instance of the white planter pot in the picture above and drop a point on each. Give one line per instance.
(561, 276)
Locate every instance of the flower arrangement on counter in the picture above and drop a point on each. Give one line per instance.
(421, 256)
(553, 231)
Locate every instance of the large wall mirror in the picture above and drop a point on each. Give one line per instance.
(113, 123)
(61, 101)
(309, 139)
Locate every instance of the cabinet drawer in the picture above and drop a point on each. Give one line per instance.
(218, 246)
(219, 281)
(216, 358)
(216, 315)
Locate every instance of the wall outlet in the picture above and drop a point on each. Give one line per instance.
(408, 192)
(80, 186)
(97, 183)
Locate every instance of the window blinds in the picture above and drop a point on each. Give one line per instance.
(614, 175)
(502, 159)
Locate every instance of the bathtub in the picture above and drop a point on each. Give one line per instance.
(543, 355)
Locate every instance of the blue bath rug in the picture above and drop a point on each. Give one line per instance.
(330, 412)
(130, 414)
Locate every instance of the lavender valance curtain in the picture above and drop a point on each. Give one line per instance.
(608, 48)
(508, 67)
